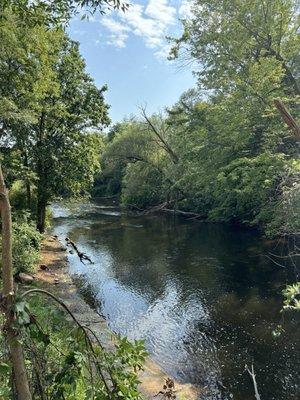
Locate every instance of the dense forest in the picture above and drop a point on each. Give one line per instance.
(222, 151)
(227, 151)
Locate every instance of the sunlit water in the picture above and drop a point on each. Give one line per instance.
(205, 297)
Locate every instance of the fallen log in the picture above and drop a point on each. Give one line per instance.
(186, 214)
(164, 208)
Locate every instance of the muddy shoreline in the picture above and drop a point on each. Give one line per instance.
(55, 278)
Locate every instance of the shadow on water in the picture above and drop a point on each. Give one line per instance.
(204, 296)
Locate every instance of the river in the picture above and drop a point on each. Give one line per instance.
(204, 296)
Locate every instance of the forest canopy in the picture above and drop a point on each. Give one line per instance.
(52, 114)
(222, 151)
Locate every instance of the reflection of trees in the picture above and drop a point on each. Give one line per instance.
(86, 291)
(244, 335)
(147, 250)
(211, 270)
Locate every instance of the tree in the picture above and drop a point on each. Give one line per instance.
(146, 144)
(237, 43)
(7, 298)
(55, 12)
(52, 111)
(246, 55)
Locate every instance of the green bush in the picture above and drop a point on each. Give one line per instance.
(142, 186)
(18, 197)
(63, 366)
(246, 189)
(19, 203)
(26, 245)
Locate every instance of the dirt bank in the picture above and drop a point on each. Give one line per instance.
(56, 279)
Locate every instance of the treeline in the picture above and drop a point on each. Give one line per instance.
(222, 151)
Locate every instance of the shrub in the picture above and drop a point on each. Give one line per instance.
(61, 364)
(26, 245)
(246, 190)
(18, 197)
(142, 186)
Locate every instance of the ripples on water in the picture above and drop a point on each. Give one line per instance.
(204, 296)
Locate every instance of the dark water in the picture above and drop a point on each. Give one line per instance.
(204, 296)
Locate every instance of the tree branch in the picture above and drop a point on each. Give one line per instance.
(287, 118)
(252, 374)
(82, 327)
(166, 146)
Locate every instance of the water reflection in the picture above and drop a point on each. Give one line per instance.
(205, 297)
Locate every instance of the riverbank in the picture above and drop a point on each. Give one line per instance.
(54, 277)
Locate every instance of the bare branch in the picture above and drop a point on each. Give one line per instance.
(82, 327)
(252, 374)
(165, 145)
(287, 118)
(82, 256)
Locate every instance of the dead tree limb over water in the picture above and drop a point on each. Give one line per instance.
(82, 256)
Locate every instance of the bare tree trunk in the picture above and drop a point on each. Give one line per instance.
(287, 118)
(11, 334)
(174, 157)
(41, 215)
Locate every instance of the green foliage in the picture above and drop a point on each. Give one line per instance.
(243, 44)
(26, 244)
(291, 296)
(289, 202)
(52, 113)
(18, 197)
(291, 302)
(245, 187)
(57, 11)
(133, 157)
(61, 363)
(235, 161)
(149, 183)
(5, 370)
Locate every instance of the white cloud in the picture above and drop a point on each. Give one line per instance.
(152, 22)
(185, 9)
(163, 51)
(118, 32)
(161, 12)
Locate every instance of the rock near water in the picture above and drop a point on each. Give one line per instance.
(24, 278)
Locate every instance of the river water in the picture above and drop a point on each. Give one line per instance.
(205, 297)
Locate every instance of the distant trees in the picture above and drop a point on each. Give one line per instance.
(233, 153)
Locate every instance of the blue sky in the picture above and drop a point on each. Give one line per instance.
(129, 53)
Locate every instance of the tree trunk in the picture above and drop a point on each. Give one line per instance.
(41, 215)
(27, 181)
(28, 195)
(10, 332)
(287, 118)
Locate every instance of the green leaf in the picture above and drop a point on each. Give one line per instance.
(4, 368)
